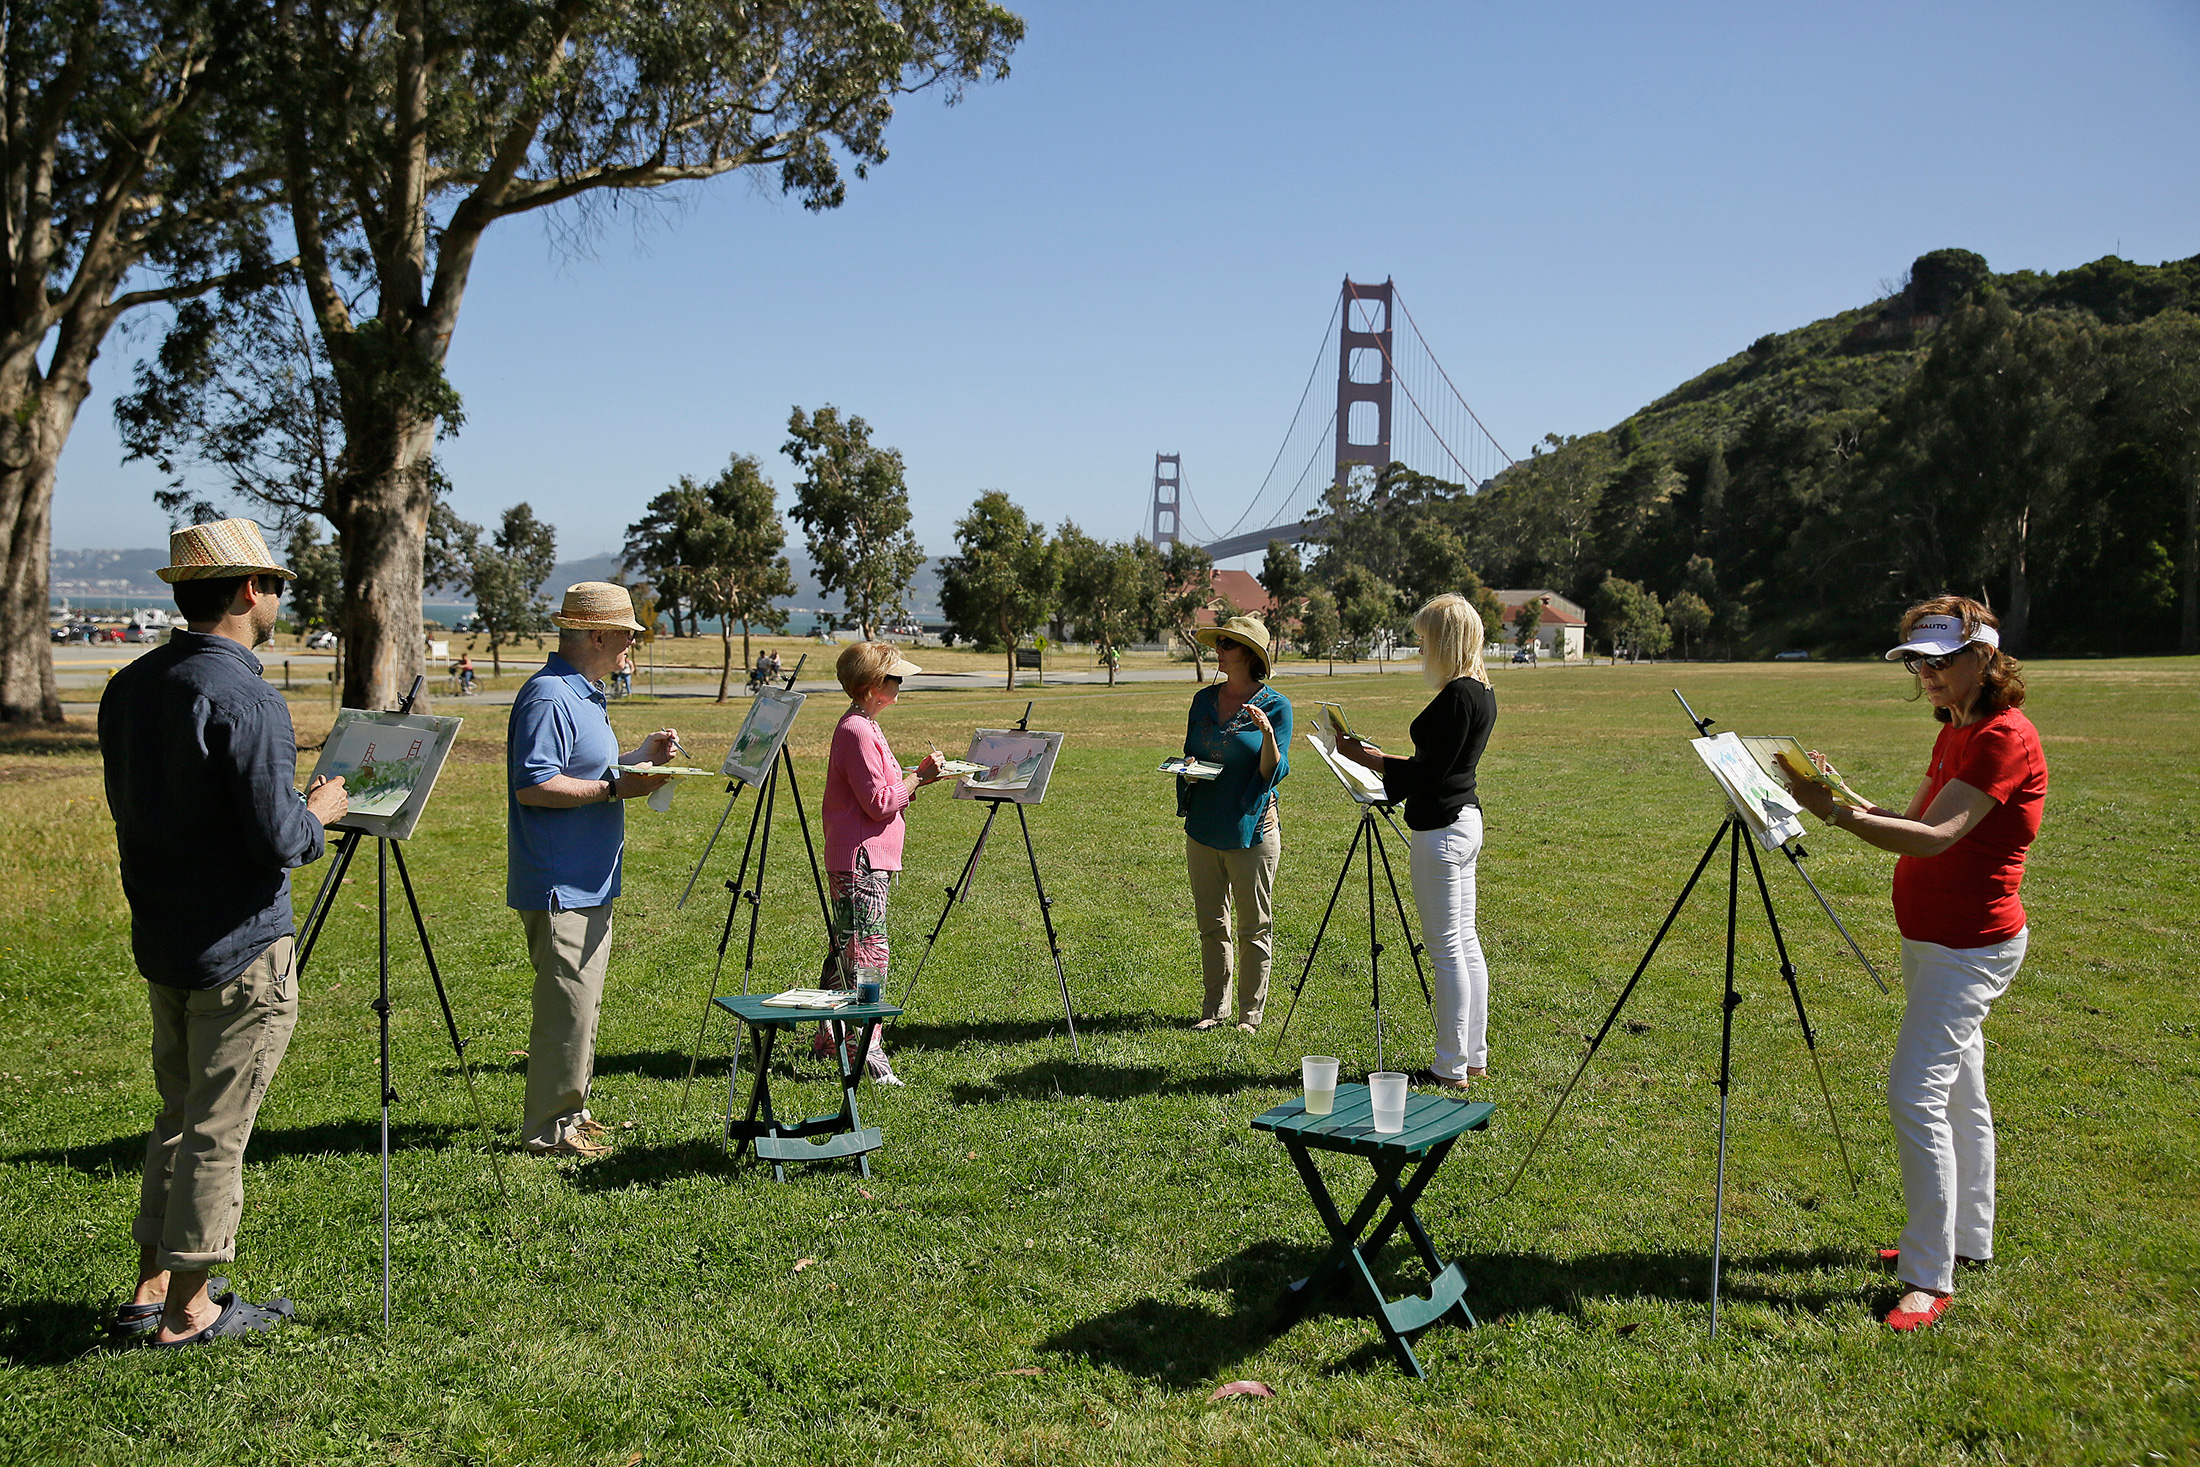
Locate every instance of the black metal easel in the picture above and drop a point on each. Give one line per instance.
(1735, 833)
(760, 819)
(1371, 833)
(960, 892)
(387, 849)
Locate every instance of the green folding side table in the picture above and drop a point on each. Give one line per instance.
(1433, 1125)
(839, 1135)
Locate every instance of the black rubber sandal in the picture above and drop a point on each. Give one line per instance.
(238, 1320)
(134, 1322)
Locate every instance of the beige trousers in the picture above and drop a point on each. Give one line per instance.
(214, 1052)
(1233, 897)
(570, 951)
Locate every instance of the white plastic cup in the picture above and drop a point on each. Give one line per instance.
(1319, 1072)
(1386, 1090)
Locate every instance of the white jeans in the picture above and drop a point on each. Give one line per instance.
(1936, 1092)
(1443, 893)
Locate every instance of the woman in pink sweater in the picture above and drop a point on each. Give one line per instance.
(865, 793)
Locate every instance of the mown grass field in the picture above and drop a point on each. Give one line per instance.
(1057, 1259)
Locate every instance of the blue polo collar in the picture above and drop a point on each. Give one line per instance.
(583, 685)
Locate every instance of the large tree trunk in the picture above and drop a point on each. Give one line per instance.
(35, 418)
(725, 650)
(384, 524)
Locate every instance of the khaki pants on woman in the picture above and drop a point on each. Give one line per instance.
(1233, 897)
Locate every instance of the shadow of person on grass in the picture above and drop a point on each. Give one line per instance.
(911, 1034)
(1065, 1077)
(1184, 1344)
(35, 1332)
(124, 1156)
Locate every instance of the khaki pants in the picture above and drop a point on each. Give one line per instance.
(214, 1052)
(1239, 884)
(570, 951)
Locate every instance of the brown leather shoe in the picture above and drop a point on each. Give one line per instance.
(591, 1127)
(574, 1144)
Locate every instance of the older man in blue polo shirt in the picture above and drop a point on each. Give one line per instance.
(565, 834)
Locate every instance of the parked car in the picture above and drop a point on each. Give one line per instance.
(140, 634)
(1524, 655)
(64, 633)
(321, 640)
(1793, 654)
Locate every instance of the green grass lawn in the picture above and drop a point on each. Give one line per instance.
(1058, 1260)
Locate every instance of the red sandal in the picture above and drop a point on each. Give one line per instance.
(1909, 1322)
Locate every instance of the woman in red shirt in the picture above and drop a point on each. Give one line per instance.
(1962, 843)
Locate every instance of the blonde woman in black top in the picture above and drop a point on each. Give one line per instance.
(1437, 788)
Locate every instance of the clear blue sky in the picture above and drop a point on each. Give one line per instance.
(1134, 242)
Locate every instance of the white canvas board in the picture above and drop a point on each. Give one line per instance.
(1017, 765)
(1363, 784)
(1766, 808)
(389, 763)
(763, 732)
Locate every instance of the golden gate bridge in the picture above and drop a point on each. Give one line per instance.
(1436, 433)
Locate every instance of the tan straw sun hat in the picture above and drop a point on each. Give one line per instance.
(597, 606)
(1248, 630)
(218, 549)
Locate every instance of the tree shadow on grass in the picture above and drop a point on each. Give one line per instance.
(1183, 1344)
(1065, 1078)
(124, 1156)
(913, 1034)
(654, 1165)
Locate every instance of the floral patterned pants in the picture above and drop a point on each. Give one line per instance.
(859, 899)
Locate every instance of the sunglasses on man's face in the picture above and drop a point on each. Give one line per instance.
(1912, 661)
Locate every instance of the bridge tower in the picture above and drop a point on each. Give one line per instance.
(1364, 358)
(1168, 475)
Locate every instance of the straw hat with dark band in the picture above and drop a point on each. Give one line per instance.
(597, 606)
(1247, 630)
(220, 549)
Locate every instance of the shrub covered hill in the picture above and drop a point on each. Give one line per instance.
(2031, 440)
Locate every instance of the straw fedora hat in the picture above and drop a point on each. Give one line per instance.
(219, 549)
(597, 606)
(1248, 630)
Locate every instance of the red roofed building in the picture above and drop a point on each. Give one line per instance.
(1560, 634)
(1244, 593)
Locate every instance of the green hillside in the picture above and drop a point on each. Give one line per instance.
(2031, 439)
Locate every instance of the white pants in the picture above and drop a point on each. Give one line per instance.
(1443, 893)
(1936, 1092)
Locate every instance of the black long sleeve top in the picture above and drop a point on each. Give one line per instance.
(1448, 738)
(200, 763)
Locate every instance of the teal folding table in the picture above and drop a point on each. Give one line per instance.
(1433, 1125)
(839, 1135)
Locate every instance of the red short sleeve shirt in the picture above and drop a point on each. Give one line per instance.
(1967, 895)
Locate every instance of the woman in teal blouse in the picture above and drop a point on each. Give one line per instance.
(1231, 838)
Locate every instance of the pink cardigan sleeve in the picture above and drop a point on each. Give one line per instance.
(874, 777)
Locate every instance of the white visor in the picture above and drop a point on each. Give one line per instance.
(1937, 636)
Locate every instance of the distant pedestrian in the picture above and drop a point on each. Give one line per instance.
(200, 764)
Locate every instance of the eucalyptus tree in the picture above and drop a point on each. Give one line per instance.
(504, 575)
(120, 165)
(853, 505)
(404, 131)
(736, 568)
(1108, 588)
(1000, 583)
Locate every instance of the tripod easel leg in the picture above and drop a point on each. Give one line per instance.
(1620, 1003)
(450, 1020)
(1374, 940)
(959, 892)
(1054, 943)
(1727, 1005)
(1413, 947)
(1810, 1036)
(1319, 933)
(725, 938)
(382, 1010)
(324, 900)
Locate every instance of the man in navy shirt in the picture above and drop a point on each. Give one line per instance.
(200, 763)
(565, 832)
